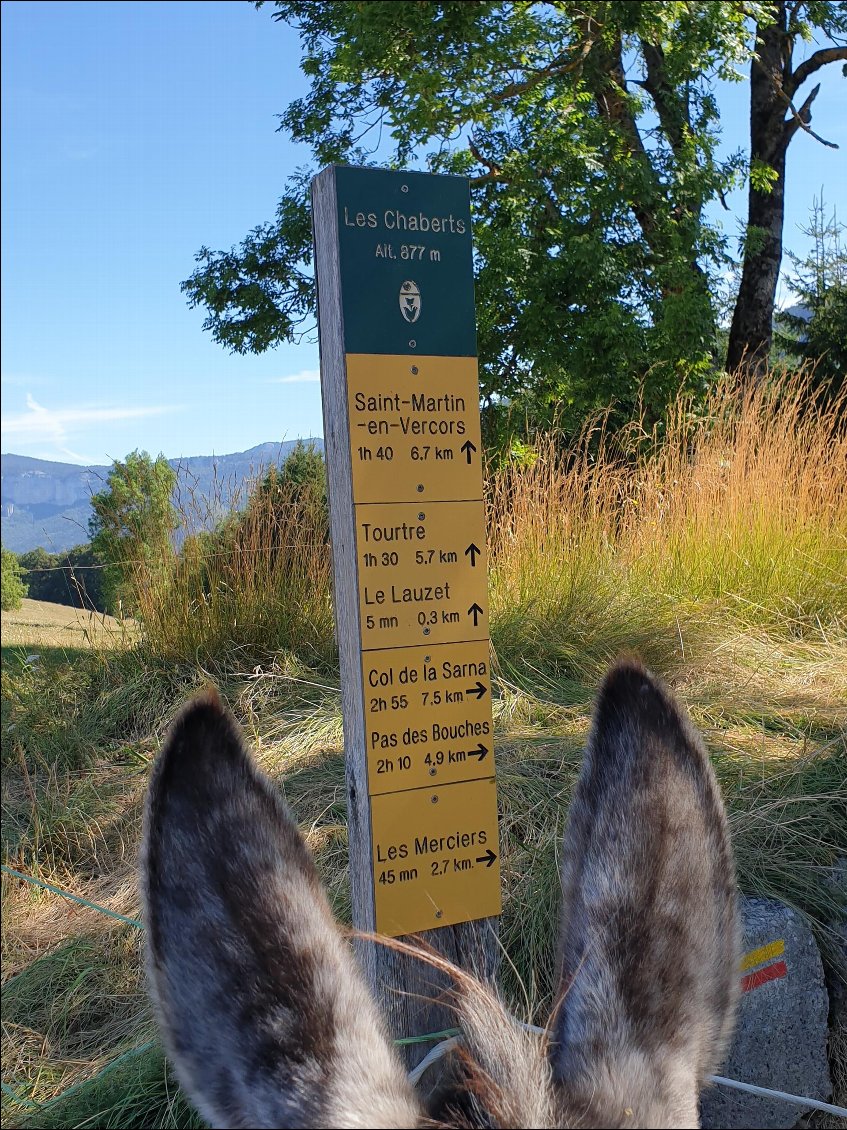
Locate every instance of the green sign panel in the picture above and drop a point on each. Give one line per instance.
(406, 263)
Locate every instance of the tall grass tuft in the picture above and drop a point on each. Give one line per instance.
(734, 512)
(258, 585)
(733, 516)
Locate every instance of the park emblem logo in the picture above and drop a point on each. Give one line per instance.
(410, 301)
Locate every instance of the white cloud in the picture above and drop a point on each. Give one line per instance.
(306, 376)
(22, 380)
(73, 457)
(47, 425)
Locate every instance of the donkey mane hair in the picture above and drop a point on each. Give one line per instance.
(267, 1018)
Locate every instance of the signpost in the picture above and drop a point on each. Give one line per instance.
(393, 262)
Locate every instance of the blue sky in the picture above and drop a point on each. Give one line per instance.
(133, 134)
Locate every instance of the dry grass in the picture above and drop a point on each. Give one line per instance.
(719, 554)
(74, 998)
(39, 623)
(259, 584)
(736, 518)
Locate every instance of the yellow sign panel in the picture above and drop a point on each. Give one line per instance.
(422, 573)
(428, 715)
(436, 856)
(414, 428)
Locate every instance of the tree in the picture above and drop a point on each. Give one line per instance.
(589, 135)
(74, 577)
(775, 119)
(131, 525)
(38, 568)
(12, 587)
(299, 485)
(304, 472)
(816, 332)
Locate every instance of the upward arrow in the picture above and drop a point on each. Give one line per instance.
(473, 551)
(468, 447)
(476, 612)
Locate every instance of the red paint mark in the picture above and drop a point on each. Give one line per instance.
(762, 976)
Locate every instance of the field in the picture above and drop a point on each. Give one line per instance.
(41, 626)
(718, 553)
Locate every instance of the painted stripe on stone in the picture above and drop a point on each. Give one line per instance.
(762, 954)
(761, 977)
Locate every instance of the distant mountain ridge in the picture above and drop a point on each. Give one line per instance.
(48, 504)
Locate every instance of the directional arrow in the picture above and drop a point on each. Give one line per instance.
(480, 752)
(468, 447)
(487, 859)
(472, 551)
(478, 690)
(476, 612)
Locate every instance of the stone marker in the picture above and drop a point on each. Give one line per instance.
(781, 1033)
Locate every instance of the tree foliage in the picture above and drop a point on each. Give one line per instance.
(817, 332)
(12, 586)
(302, 474)
(74, 577)
(132, 522)
(298, 486)
(589, 133)
(780, 108)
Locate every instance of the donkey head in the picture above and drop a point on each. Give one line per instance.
(265, 1013)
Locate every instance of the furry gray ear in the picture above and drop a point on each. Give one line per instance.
(263, 1009)
(261, 1006)
(649, 946)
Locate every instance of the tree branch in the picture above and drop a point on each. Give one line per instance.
(608, 83)
(672, 110)
(495, 171)
(800, 119)
(812, 64)
(561, 65)
(793, 13)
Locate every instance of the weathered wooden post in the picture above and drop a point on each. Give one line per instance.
(393, 261)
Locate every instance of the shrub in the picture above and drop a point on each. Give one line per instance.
(13, 587)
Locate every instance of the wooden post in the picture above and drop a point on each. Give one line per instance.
(393, 262)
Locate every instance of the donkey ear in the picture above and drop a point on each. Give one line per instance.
(261, 1005)
(649, 948)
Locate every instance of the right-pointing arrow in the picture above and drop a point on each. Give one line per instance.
(487, 859)
(481, 752)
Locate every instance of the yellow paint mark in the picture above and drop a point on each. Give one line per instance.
(762, 954)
